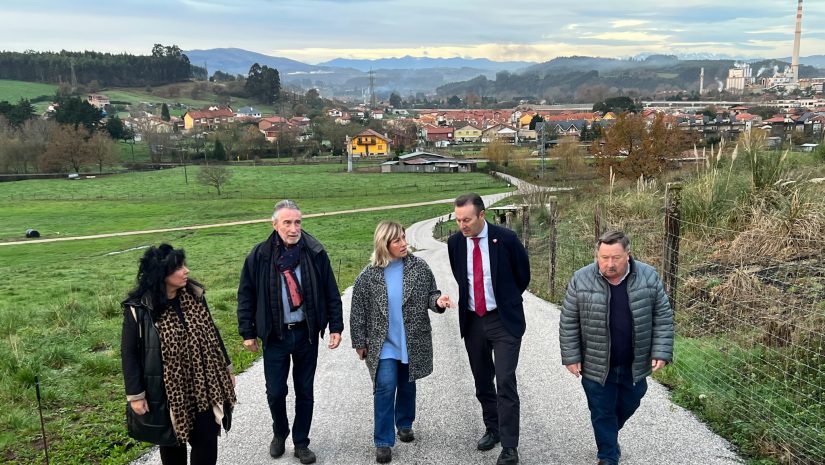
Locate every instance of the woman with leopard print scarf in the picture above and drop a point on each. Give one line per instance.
(178, 376)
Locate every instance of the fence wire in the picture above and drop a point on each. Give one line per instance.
(749, 356)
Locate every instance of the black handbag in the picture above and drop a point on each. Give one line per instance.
(227, 415)
(154, 426)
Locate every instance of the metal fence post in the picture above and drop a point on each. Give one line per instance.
(552, 214)
(525, 225)
(670, 252)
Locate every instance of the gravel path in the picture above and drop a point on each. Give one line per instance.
(555, 427)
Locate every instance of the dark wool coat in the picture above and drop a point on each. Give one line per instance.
(369, 316)
(584, 331)
(509, 271)
(256, 318)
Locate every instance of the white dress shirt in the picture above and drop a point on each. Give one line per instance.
(489, 297)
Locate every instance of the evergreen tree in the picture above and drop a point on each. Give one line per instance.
(17, 114)
(77, 112)
(219, 153)
(164, 113)
(263, 84)
(115, 128)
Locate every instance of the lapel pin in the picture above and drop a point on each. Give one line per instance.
(495, 240)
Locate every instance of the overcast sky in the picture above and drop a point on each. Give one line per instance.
(317, 30)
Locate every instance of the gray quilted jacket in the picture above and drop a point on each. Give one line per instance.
(583, 330)
(369, 315)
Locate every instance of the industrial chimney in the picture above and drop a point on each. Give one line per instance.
(702, 81)
(796, 39)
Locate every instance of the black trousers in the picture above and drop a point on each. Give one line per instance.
(495, 381)
(204, 441)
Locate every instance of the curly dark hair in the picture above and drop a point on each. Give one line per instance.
(156, 264)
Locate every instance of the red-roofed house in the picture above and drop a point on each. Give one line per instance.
(272, 127)
(437, 135)
(368, 143)
(208, 119)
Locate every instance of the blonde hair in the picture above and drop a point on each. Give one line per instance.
(385, 232)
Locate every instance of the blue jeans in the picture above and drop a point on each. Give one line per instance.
(304, 354)
(393, 399)
(610, 407)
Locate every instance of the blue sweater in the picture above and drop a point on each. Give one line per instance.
(395, 346)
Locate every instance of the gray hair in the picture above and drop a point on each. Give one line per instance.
(284, 204)
(613, 237)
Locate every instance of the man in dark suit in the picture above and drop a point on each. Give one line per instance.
(492, 270)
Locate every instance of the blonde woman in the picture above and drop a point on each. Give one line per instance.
(391, 330)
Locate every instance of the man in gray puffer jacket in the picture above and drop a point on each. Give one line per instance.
(616, 328)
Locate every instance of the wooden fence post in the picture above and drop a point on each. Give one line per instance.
(525, 225)
(508, 219)
(597, 222)
(670, 252)
(552, 215)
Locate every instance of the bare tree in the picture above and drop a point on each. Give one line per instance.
(35, 134)
(101, 150)
(498, 152)
(252, 140)
(229, 136)
(216, 176)
(67, 150)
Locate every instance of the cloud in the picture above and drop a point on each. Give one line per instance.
(629, 36)
(317, 30)
(623, 23)
(208, 6)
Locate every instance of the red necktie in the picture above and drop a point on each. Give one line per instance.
(478, 279)
(293, 289)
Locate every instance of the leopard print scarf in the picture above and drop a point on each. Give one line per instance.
(194, 366)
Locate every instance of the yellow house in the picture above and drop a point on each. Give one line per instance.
(369, 143)
(468, 133)
(525, 119)
(208, 119)
(609, 115)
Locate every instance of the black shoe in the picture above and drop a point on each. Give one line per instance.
(406, 435)
(488, 441)
(305, 455)
(383, 454)
(276, 447)
(508, 456)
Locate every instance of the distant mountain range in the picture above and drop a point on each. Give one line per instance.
(238, 61)
(410, 62)
(817, 61)
(408, 75)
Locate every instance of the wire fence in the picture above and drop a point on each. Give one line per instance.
(749, 356)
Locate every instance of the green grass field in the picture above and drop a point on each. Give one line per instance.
(159, 95)
(60, 314)
(160, 199)
(13, 91)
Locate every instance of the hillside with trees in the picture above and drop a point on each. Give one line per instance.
(589, 79)
(165, 65)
